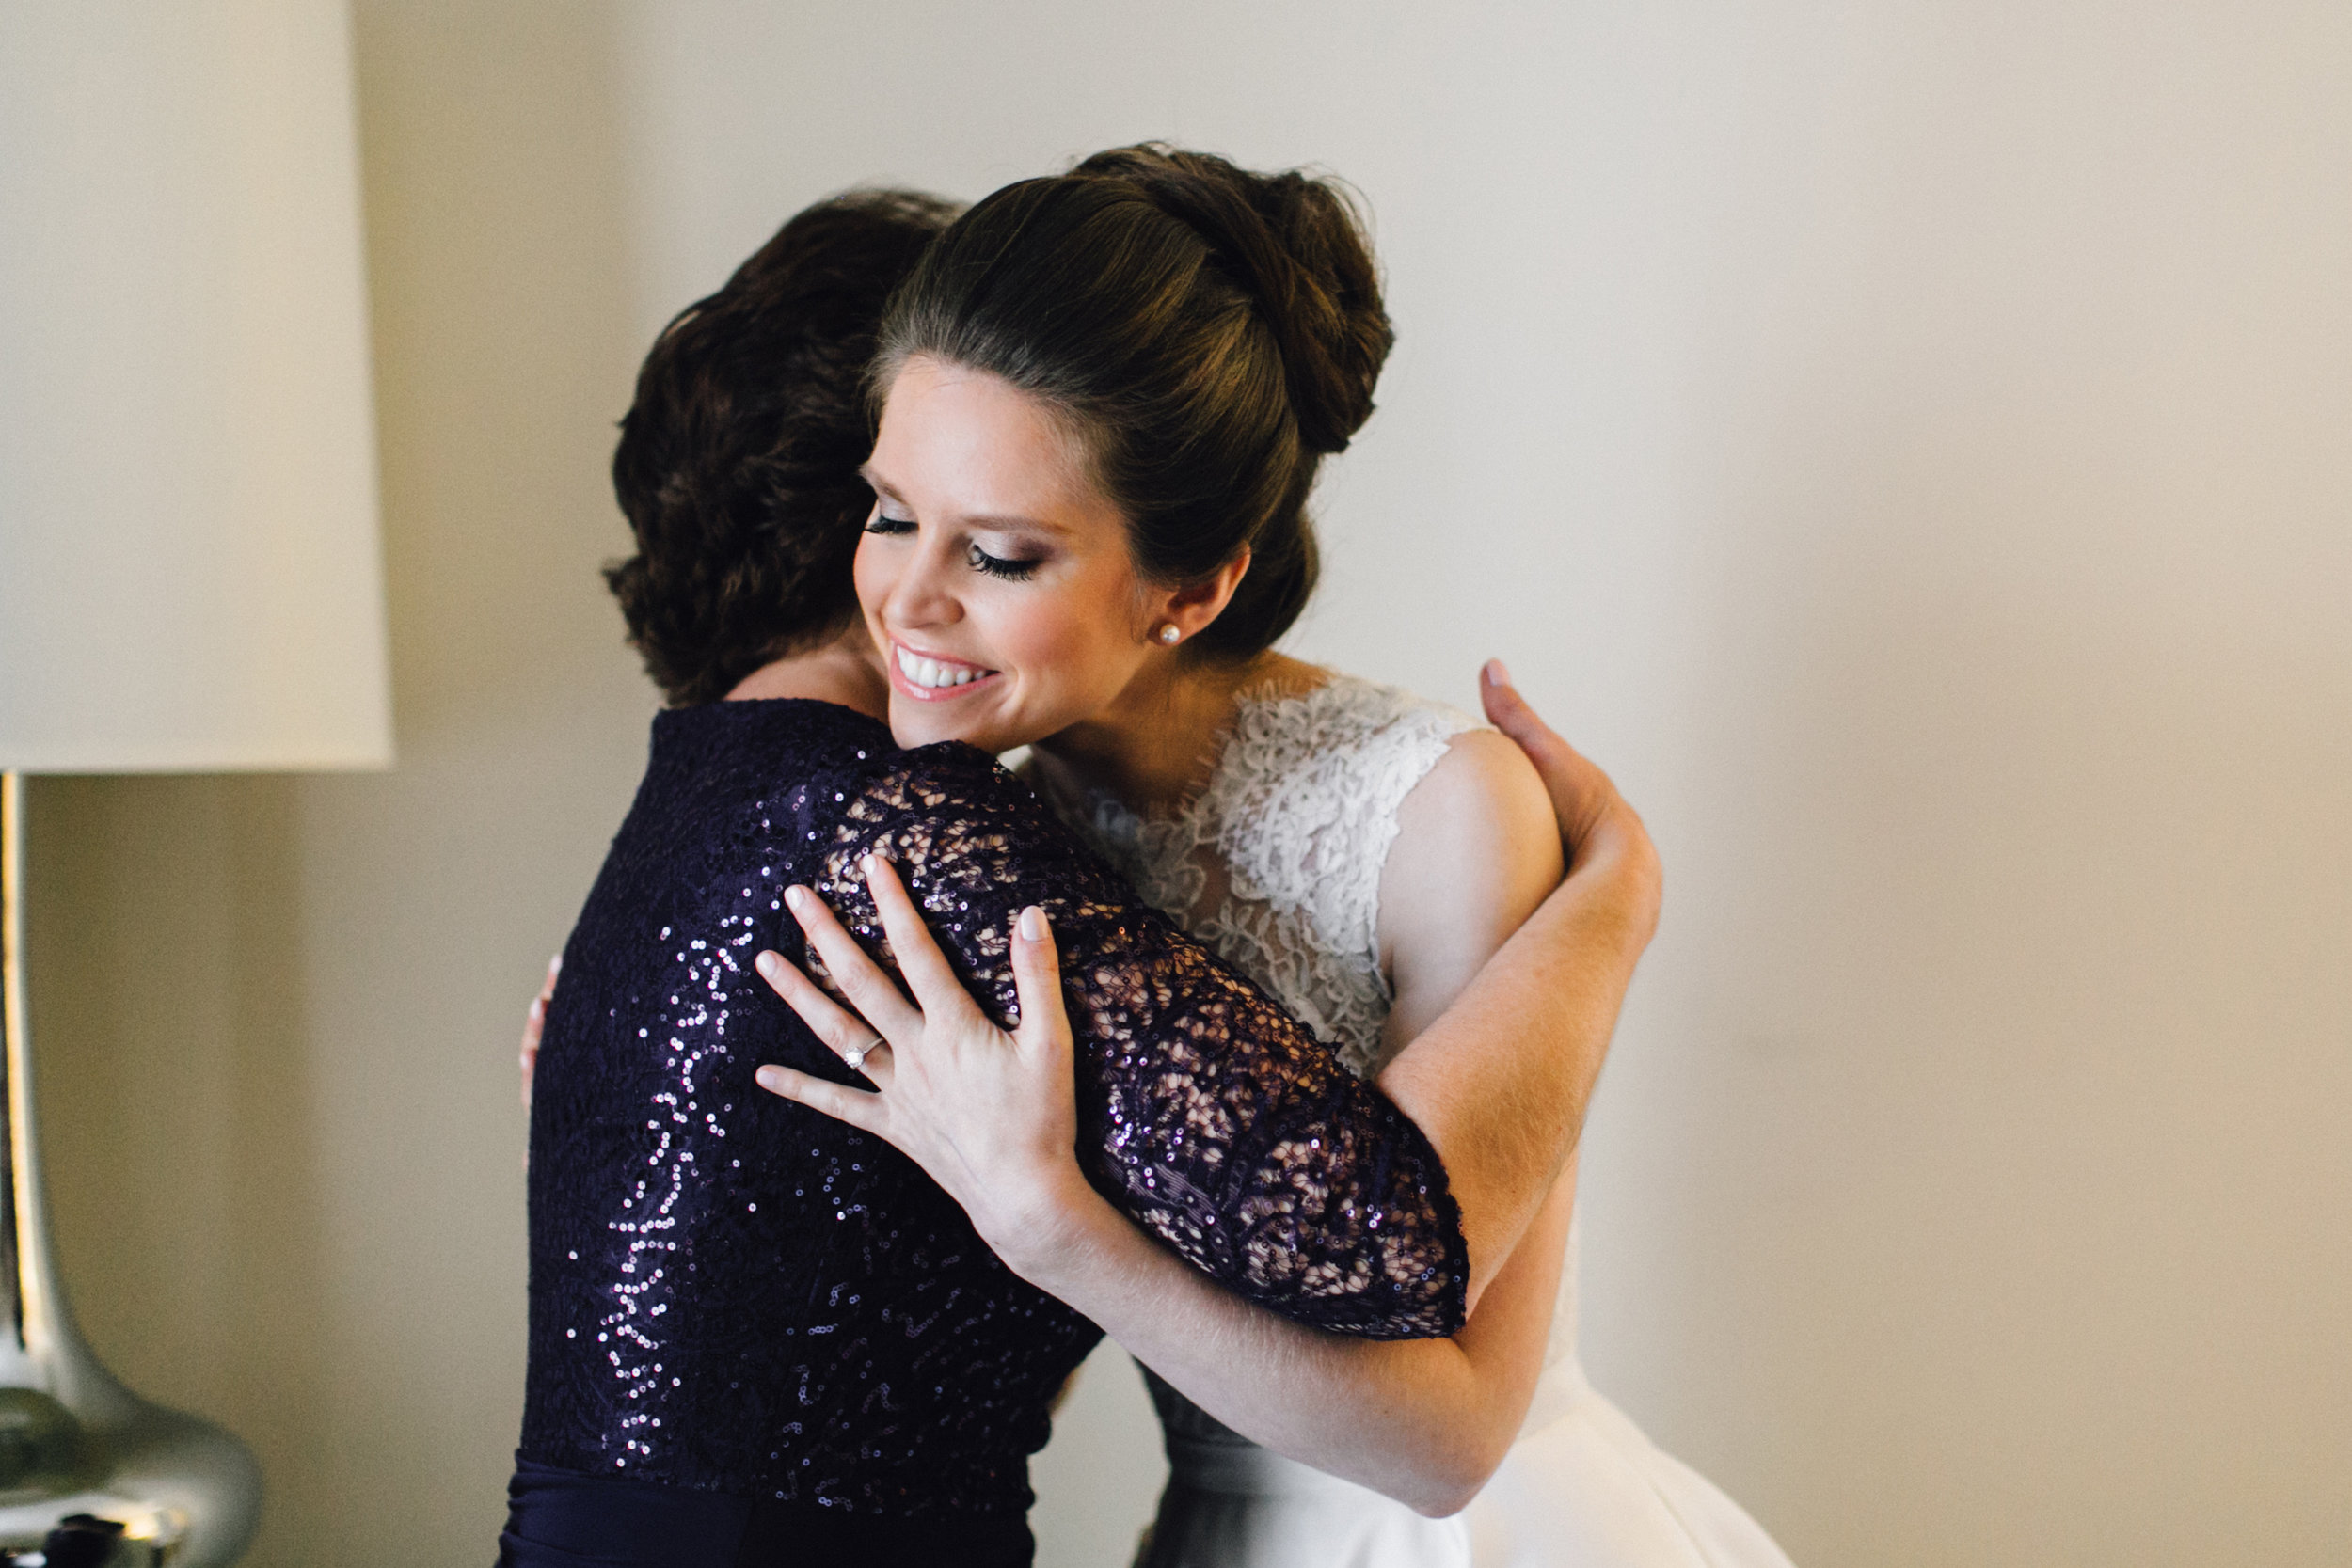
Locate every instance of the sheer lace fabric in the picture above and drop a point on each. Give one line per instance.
(1276, 863)
(730, 1292)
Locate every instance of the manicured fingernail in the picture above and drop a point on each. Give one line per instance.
(770, 1079)
(1498, 672)
(1032, 924)
(766, 964)
(796, 896)
(555, 964)
(537, 1007)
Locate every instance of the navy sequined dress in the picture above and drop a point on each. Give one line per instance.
(760, 1335)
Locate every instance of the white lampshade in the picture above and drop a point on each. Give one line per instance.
(190, 578)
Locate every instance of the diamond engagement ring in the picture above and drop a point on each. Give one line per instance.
(857, 1059)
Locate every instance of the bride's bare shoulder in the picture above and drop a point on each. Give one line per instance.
(1476, 850)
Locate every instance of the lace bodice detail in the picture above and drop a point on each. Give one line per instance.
(1276, 863)
(731, 1292)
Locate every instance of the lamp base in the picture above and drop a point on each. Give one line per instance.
(92, 1476)
(160, 1490)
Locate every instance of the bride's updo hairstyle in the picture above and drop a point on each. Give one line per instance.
(1206, 334)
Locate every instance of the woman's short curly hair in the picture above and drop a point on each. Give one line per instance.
(737, 466)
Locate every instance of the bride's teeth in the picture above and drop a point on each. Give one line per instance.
(931, 674)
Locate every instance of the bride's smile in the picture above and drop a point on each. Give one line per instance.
(1001, 583)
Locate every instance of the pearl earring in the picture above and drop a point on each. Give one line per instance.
(1170, 634)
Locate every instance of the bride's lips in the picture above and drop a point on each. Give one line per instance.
(931, 678)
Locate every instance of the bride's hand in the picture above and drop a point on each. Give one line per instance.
(991, 1117)
(535, 1022)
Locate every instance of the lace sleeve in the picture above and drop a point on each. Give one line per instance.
(1206, 1112)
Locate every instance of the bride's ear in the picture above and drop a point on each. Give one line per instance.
(1186, 611)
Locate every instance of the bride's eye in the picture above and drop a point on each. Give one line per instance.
(997, 567)
(882, 522)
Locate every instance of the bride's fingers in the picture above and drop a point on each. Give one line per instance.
(842, 1031)
(535, 1024)
(870, 991)
(867, 1112)
(1037, 981)
(921, 964)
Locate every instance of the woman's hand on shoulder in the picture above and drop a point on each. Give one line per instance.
(991, 1117)
(1596, 822)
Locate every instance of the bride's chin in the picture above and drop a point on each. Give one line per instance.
(918, 724)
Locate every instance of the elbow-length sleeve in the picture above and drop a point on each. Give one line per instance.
(1206, 1112)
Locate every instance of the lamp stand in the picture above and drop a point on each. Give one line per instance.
(92, 1476)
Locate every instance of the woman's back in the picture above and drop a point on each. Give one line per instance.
(682, 1222)
(739, 1305)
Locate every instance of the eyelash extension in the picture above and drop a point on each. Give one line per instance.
(997, 567)
(880, 524)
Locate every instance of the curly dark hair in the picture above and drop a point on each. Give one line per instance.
(737, 465)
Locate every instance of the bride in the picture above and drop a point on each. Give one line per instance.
(1104, 397)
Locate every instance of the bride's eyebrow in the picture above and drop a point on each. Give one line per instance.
(879, 485)
(1018, 525)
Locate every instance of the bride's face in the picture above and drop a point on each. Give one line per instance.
(995, 578)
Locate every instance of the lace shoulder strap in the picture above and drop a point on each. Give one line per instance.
(1306, 799)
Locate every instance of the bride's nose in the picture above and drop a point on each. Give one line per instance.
(923, 594)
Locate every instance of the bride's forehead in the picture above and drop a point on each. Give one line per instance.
(970, 445)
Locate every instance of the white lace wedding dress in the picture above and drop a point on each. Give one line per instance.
(1276, 866)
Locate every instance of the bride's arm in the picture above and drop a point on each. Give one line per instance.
(1424, 1421)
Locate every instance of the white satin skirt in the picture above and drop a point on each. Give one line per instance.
(1583, 1487)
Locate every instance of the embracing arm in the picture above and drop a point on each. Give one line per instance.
(1424, 1421)
(1498, 1071)
(993, 1118)
(1206, 1112)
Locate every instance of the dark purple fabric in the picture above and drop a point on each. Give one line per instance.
(733, 1294)
(562, 1519)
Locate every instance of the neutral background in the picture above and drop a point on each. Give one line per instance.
(1910, 444)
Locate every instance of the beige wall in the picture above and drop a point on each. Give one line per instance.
(1907, 443)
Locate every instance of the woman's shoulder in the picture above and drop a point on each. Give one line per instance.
(760, 735)
(1476, 848)
(956, 808)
